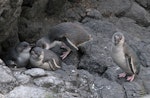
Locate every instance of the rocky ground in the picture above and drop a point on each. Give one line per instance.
(88, 73)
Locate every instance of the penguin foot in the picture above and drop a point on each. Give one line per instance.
(65, 54)
(131, 78)
(122, 75)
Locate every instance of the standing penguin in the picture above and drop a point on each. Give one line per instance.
(44, 58)
(124, 56)
(18, 55)
(69, 35)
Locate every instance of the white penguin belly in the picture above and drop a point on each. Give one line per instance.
(23, 59)
(35, 62)
(120, 59)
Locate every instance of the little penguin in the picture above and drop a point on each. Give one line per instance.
(124, 56)
(68, 35)
(44, 58)
(18, 56)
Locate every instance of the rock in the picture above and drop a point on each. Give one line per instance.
(144, 3)
(113, 7)
(134, 89)
(146, 96)
(35, 72)
(30, 92)
(112, 73)
(21, 77)
(147, 86)
(93, 13)
(139, 14)
(9, 12)
(55, 6)
(48, 81)
(108, 89)
(37, 10)
(7, 81)
(28, 3)
(96, 53)
(2, 96)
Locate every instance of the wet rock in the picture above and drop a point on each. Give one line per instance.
(35, 72)
(30, 92)
(139, 14)
(134, 89)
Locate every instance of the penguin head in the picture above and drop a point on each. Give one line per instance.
(118, 39)
(43, 43)
(23, 47)
(37, 53)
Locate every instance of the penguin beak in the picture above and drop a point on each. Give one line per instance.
(117, 39)
(32, 45)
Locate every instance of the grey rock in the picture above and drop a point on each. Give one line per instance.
(144, 3)
(114, 7)
(146, 96)
(29, 92)
(38, 9)
(134, 89)
(9, 12)
(21, 77)
(55, 6)
(112, 73)
(7, 81)
(48, 81)
(6, 75)
(108, 89)
(147, 86)
(96, 53)
(139, 14)
(35, 72)
(1, 96)
(93, 13)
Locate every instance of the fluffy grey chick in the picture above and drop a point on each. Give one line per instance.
(18, 55)
(44, 58)
(68, 35)
(124, 56)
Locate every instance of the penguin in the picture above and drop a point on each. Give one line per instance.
(17, 56)
(44, 58)
(68, 35)
(124, 56)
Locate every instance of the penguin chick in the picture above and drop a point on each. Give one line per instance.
(18, 55)
(124, 56)
(44, 58)
(69, 35)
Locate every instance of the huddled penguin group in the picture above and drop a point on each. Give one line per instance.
(67, 35)
(70, 36)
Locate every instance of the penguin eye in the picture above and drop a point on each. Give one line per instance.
(43, 46)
